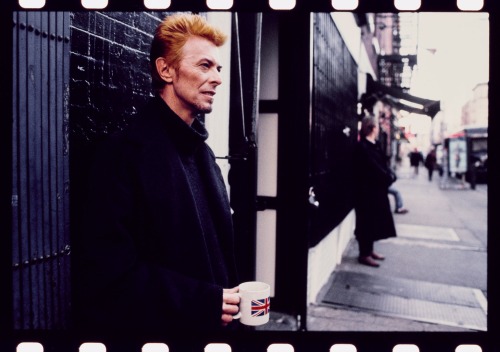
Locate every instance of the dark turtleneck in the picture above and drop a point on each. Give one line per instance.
(189, 139)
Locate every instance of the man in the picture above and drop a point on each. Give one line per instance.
(416, 158)
(430, 163)
(373, 177)
(157, 248)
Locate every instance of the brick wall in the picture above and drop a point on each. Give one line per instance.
(109, 81)
(109, 70)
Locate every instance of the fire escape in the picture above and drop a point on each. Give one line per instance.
(397, 39)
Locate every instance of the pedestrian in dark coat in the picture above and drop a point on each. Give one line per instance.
(374, 219)
(430, 163)
(156, 253)
(416, 158)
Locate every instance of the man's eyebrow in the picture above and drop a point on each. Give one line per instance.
(211, 62)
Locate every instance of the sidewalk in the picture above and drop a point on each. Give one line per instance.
(434, 275)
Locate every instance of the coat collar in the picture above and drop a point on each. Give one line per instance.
(187, 138)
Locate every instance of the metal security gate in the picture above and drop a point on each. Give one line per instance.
(40, 187)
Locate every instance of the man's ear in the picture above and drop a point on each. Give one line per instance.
(164, 70)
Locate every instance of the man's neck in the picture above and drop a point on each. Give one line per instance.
(183, 114)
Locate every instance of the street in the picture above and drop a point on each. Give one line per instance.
(434, 275)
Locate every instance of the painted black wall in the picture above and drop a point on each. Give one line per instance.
(334, 127)
(109, 70)
(109, 81)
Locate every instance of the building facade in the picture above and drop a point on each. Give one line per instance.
(475, 111)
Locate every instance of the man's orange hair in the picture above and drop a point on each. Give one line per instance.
(171, 35)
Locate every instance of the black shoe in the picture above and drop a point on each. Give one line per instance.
(368, 261)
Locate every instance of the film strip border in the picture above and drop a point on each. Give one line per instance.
(252, 342)
(265, 341)
(256, 5)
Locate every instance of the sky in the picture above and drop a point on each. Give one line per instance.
(453, 57)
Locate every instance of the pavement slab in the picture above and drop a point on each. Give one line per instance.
(410, 299)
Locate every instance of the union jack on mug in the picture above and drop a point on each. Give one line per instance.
(260, 307)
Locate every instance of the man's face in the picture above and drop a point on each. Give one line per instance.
(198, 75)
(376, 131)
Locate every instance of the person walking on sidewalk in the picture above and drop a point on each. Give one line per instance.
(430, 162)
(416, 158)
(373, 177)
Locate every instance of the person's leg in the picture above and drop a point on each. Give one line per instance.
(399, 201)
(397, 197)
(365, 247)
(391, 191)
(365, 253)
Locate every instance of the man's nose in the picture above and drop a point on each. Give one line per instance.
(216, 78)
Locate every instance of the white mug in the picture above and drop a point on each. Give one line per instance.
(255, 303)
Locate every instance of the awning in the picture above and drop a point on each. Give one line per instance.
(402, 100)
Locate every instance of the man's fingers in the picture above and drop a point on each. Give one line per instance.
(230, 298)
(230, 308)
(231, 290)
(226, 319)
(230, 301)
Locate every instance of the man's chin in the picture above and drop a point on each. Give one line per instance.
(202, 108)
(205, 110)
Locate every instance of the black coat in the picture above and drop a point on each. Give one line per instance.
(144, 260)
(374, 219)
(416, 158)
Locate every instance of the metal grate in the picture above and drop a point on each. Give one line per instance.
(40, 189)
(410, 299)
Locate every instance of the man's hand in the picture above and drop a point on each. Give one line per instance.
(230, 301)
